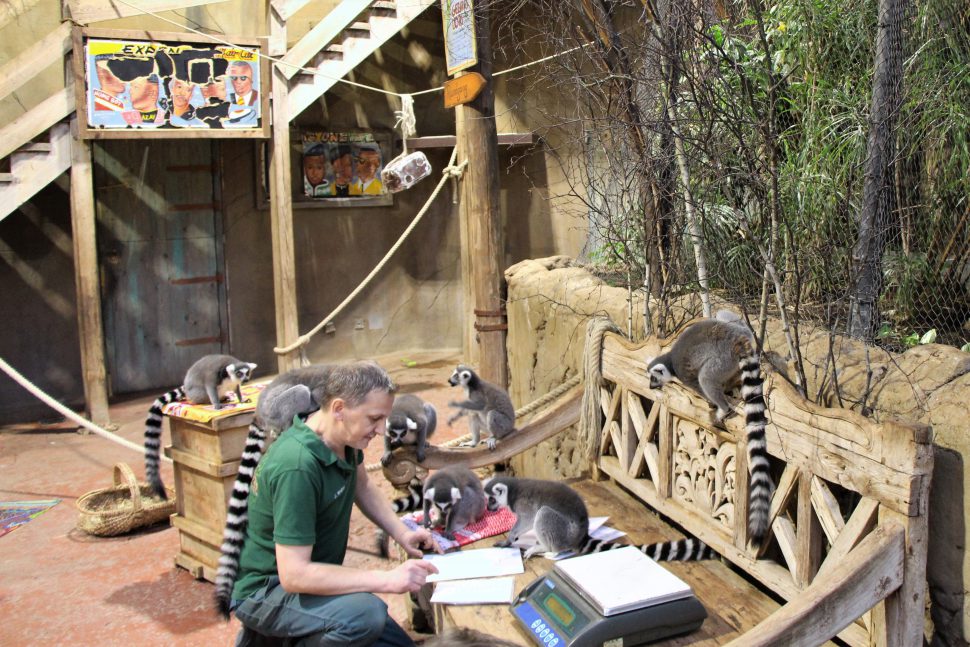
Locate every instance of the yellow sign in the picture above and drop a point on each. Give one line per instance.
(463, 89)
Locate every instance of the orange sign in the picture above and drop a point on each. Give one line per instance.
(463, 89)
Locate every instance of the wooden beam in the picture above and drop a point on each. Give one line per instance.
(450, 141)
(322, 34)
(87, 283)
(286, 8)
(281, 219)
(36, 121)
(562, 413)
(47, 51)
(867, 576)
(84, 12)
(480, 216)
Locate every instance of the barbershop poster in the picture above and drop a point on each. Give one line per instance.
(344, 165)
(172, 86)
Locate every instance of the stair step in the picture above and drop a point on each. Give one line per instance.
(384, 9)
(7, 177)
(35, 147)
(381, 4)
(361, 27)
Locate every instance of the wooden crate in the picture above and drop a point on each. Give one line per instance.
(206, 458)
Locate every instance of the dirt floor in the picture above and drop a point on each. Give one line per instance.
(60, 586)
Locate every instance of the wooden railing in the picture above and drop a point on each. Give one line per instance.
(847, 545)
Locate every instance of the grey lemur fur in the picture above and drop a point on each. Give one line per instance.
(412, 422)
(558, 515)
(457, 495)
(710, 357)
(208, 380)
(488, 407)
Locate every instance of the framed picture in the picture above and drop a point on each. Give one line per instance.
(344, 168)
(168, 85)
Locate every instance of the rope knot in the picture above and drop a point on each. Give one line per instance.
(455, 170)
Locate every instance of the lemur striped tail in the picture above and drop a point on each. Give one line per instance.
(684, 550)
(759, 490)
(409, 503)
(153, 439)
(234, 534)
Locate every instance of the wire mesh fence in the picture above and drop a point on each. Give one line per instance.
(806, 159)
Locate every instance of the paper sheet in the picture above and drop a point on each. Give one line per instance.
(492, 590)
(484, 562)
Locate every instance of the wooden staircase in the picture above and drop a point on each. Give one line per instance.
(354, 30)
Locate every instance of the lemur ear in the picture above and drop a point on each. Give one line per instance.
(649, 360)
(455, 494)
(412, 425)
(252, 367)
(429, 494)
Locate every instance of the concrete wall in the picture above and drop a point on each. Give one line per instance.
(550, 303)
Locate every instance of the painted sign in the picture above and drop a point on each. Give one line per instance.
(461, 50)
(147, 85)
(463, 89)
(342, 165)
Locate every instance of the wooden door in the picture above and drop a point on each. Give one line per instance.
(160, 252)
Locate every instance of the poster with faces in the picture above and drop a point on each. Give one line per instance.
(342, 165)
(165, 85)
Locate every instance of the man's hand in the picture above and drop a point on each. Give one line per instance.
(414, 540)
(410, 576)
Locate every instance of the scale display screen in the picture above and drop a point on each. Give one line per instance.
(555, 608)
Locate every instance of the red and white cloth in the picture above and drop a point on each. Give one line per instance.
(493, 523)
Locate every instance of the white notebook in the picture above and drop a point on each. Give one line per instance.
(620, 580)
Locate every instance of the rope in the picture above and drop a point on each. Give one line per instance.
(524, 411)
(591, 421)
(67, 413)
(450, 171)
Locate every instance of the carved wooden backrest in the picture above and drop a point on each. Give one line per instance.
(840, 477)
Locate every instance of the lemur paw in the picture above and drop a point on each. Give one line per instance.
(505, 543)
(385, 459)
(491, 444)
(467, 443)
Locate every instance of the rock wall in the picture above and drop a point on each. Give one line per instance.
(550, 301)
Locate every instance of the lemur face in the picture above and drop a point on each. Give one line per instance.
(398, 428)
(240, 372)
(462, 376)
(496, 496)
(442, 502)
(659, 375)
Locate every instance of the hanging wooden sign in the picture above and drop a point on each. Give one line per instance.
(461, 49)
(463, 89)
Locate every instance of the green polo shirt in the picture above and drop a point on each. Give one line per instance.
(301, 495)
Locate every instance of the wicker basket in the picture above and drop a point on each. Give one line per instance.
(122, 508)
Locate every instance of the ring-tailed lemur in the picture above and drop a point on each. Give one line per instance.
(209, 379)
(412, 421)
(488, 407)
(451, 498)
(710, 357)
(297, 392)
(558, 515)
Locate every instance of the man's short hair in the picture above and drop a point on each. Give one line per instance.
(242, 64)
(336, 152)
(315, 150)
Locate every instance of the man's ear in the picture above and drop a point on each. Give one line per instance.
(337, 406)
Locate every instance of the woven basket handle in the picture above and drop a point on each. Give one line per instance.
(124, 476)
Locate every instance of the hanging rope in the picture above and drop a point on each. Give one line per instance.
(591, 420)
(450, 171)
(519, 413)
(67, 413)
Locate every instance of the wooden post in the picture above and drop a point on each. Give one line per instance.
(281, 213)
(483, 242)
(86, 281)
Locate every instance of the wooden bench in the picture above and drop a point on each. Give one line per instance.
(846, 555)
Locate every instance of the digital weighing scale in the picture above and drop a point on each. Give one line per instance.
(554, 612)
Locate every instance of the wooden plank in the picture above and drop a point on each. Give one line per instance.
(87, 277)
(450, 141)
(665, 448)
(627, 433)
(872, 573)
(863, 519)
(321, 35)
(827, 508)
(196, 529)
(84, 12)
(808, 547)
(47, 51)
(281, 219)
(784, 531)
(37, 120)
(200, 464)
(561, 414)
(277, 32)
(608, 418)
(286, 8)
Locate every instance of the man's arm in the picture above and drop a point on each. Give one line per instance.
(298, 574)
(375, 507)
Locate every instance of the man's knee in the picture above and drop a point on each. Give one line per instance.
(360, 622)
